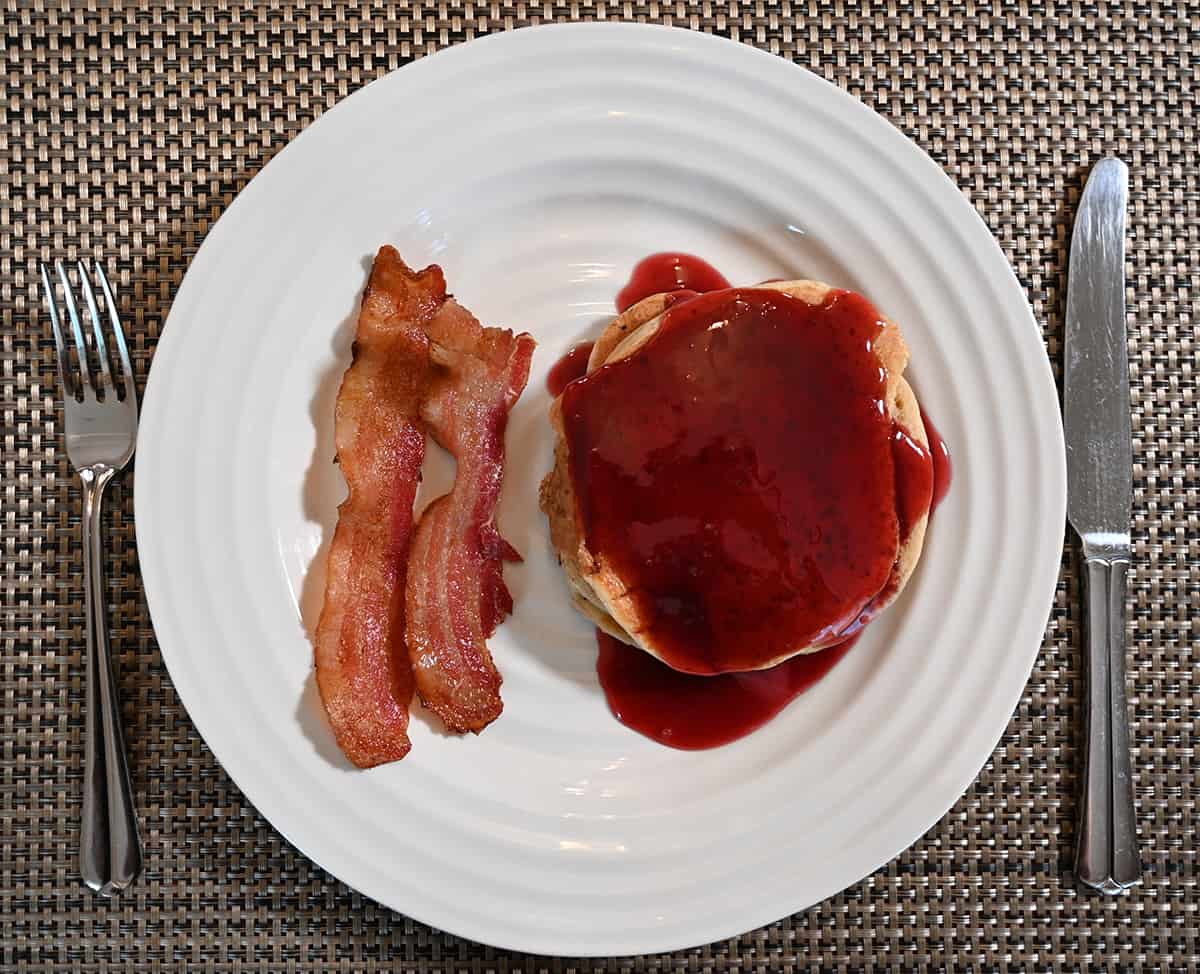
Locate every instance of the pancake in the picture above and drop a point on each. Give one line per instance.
(597, 587)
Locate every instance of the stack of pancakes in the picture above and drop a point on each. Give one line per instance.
(596, 587)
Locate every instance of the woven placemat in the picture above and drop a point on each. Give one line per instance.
(126, 132)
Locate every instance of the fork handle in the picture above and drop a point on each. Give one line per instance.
(1106, 855)
(110, 855)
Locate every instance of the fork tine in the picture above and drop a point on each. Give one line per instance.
(118, 332)
(85, 384)
(97, 328)
(65, 375)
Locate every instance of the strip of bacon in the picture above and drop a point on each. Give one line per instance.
(363, 671)
(456, 594)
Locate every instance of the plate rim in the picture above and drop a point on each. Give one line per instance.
(1054, 478)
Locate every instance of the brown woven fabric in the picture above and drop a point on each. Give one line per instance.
(127, 130)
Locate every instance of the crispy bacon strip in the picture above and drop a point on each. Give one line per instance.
(363, 670)
(456, 594)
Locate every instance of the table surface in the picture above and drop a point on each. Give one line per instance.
(128, 129)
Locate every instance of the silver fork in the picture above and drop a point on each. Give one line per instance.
(101, 429)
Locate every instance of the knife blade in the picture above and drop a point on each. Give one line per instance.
(1096, 379)
(1097, 423)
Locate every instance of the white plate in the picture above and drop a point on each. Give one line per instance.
(536, 167)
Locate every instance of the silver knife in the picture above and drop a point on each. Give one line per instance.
(1096, 415)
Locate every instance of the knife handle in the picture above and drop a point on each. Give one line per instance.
(1106, 855)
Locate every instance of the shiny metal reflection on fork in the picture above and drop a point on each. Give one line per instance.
(100, 416)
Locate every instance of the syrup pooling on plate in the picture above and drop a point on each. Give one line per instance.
(709, 475)
(661, 273)
(914, 479)
(943, 468)
(573, 363)
(568, 368)
(696, 712)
